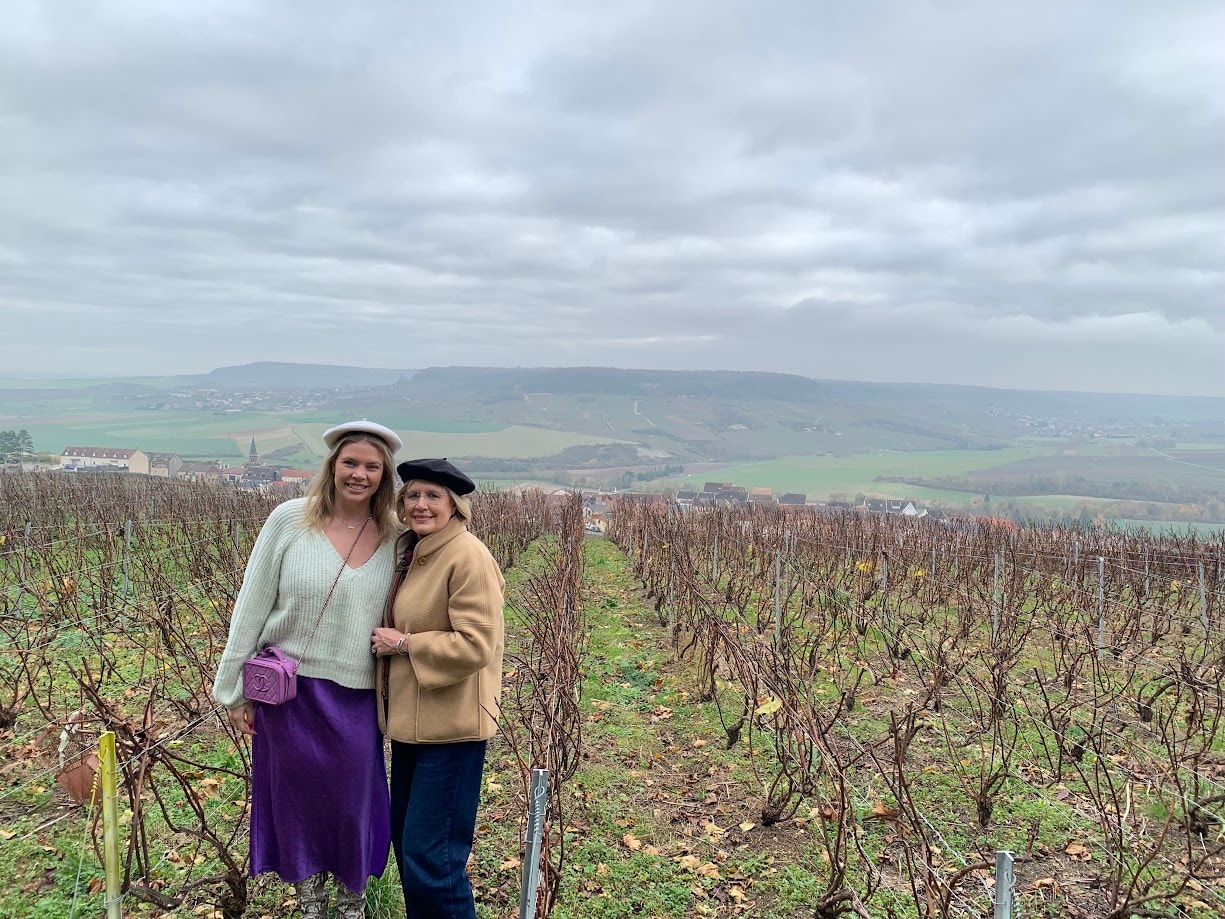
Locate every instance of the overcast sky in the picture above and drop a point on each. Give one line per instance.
(1016, 194)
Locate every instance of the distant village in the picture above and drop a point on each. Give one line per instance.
(726, 494)
(1090, 429)
(256, 475)
(232, 401)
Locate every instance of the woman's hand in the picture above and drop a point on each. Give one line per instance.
(386, 642)
(243, 718)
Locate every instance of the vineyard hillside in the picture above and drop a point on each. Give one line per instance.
(742, 712)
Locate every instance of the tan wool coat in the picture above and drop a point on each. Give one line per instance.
(449, 686)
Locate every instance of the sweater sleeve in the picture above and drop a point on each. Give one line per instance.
(256, 598)
(475, 608)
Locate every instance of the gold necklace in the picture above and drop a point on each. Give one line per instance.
(348, 526)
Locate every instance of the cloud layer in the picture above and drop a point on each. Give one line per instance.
(1005, 193)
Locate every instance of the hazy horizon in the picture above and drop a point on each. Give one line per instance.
(69, 377)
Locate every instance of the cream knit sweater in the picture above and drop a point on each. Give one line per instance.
(288, 576)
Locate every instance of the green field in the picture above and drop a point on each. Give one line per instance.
(1187, 447)
(165, 432)
(515, 442)
(820, 476)
(1055, 502)
(228, 436)
(1204, 470)
(397, 417)
(1171, 527)
(19, 412)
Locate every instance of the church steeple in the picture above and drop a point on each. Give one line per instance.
(253, 455)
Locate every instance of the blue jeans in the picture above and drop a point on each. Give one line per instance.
(435, 789)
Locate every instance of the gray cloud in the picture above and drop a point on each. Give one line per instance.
(995, 193)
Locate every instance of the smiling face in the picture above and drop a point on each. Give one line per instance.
(356, 475)
(426, 507)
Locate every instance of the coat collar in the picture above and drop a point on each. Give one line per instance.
(424, 545)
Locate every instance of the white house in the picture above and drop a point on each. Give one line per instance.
(86, 457)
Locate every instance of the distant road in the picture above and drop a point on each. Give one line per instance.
(644, 417)
(1184, 462)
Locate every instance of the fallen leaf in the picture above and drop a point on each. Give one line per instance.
(632, 842)
(1078, 852)
(769, 707)
(880, 809)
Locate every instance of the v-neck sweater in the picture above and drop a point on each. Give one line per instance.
(288, 576)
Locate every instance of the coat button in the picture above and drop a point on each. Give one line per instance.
(421, 561)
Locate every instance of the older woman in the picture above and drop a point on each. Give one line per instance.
(441, 647)
(314, 587)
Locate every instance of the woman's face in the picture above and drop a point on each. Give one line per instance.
(427, 507)
(356, 477)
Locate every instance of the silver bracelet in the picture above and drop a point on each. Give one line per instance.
(400, 645)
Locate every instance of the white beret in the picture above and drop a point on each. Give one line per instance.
(332, 435)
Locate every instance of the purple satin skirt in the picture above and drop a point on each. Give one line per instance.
(319, 798)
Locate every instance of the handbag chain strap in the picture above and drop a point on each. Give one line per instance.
(332, 589)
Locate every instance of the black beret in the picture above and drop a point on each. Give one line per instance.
(438, 471)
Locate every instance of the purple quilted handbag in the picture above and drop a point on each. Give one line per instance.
(270, 677)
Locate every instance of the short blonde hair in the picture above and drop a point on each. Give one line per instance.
(463, 504)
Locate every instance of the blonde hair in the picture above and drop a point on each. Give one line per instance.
(321, 494)
(463, 504)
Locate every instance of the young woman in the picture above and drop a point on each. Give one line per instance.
(314, 587)
(441, 654)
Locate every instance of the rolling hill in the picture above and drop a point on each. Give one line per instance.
(602, 425)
